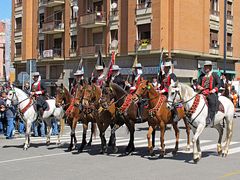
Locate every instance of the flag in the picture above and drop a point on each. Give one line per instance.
(80, 65)
(135, 62)
(111, 63)
(159, 75)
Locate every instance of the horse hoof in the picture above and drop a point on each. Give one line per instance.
(25, 148)
(161, 156)
(114, 149)
(89, 144)
(48, 143)
(220, 153)
(174, 152)
(80, 150)
(152, 154)
(196, 160)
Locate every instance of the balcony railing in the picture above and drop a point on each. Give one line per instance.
(143, 44)
(53, 53)
(213, 46)
(51, 3)
(214, 12)
(91, 20)
(18, 28)
(53, 27)
(18, 4)
(73, 52)
(229, 48)
(144, 5)
(229, 17)
(92, 50)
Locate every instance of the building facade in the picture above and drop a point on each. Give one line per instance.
(2, 50)
(54, 34)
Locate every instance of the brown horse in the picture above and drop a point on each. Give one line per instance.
(127, 116)
(162, 116)
(65, 99)
(85, 109)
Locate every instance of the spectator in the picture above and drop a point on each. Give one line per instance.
(54, 127)
(234, 98)
(2, 117)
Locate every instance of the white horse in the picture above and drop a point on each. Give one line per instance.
(19, 98)
(182, 92)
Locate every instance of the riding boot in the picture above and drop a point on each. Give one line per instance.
(139, 118)
(175, 117)
(210, 117)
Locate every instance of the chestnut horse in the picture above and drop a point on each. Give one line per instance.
(162, 116)
(85, 109)
(65, 99)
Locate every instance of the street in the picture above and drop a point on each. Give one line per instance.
(53, 162)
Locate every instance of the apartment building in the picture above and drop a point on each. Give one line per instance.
(2, 50)
(54, 34)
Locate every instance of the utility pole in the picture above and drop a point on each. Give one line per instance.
(225, 37)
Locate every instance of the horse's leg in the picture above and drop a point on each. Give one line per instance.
(93, 127)
(112, 140)
(162, 148)
(188, 133)
(131, 127)
(153, 137)
(84, 142)
(27, 136)
(62, 125)
(102, 137)
(71, 137)
(199, 148)
(228, 136)
(49, 131)
(196, 154)
(177, 138)
(150, 146)
(220, 132)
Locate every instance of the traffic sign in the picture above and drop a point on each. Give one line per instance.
(23, 77)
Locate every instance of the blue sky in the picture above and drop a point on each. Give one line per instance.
(5, 9)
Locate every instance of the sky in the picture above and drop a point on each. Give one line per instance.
(5, 9)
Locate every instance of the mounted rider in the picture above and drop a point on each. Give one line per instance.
(99, 79)
(116, 76)
(167, 78)
(39, 92)
(209, 84)
(79, 77)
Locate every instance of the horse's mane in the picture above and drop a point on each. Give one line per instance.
(20, 91)
(186, 90)
(118, 89)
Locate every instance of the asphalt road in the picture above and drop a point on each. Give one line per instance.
(53, 162)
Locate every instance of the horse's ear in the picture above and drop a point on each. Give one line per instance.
(176, 83)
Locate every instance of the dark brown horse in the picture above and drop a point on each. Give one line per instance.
(162, 116)
(128, 116)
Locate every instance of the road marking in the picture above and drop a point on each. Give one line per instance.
(234, 150)
(230, 174)
(34, 157)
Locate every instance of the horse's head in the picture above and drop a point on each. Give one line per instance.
(89, 94)
(12, 98)
(60, 96)
(174, 94)
(143, 88)
(108, 95)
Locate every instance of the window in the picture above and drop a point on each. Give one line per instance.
(41, 20)
(143, 4)
(57, 51)
(41, 47)
(114, 34)
(42, 71)
(144, 31)
(229, 10)
(214, 39)
(18, 47)
(214, 7)
(73, 16)
(97, 38)
(229, 42)
(56, 72)
(73, 43)
(18, 24)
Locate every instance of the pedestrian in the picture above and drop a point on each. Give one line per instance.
(54, 127)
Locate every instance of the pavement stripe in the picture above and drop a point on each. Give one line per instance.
(34, 157)
(234, 150)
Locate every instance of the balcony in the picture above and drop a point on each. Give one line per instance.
(92, 50)
(213, 48)
(114, 15)
(55, 53)
(18, 55)
(53, 27)
(51, 3)
(214, 15)
(18, 6)
(73, 22)
(229, 19)
(73, 52)
(144, 9)
(143, 45)
(92, 20)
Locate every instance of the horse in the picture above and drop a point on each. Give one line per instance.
(196, 106)
(27, 107)
(126, 113)
(161, 116)
(75, 113)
